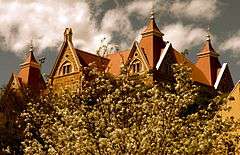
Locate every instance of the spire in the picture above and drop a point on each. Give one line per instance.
(152, 27)
(152, 41)
(30, 58)
(207, 60)
(207, 46)
(30, 73)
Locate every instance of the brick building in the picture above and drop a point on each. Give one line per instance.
(152, 53)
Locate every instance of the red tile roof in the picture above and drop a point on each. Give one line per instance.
(152, 27)
(86, 58)
(197, 75)
(116, 60)
(30, 73)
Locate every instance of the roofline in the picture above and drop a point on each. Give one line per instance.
(65, 42)
(91, 54)
(235, 87)
(219, 77)
(119, 52)
(163, 55)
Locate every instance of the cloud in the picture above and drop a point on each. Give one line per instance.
(232, 44)
(195, 9)
(44, 22)
(117, 21)
(183, 37)
(140, 7)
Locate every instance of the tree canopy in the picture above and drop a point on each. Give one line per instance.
(126, 115)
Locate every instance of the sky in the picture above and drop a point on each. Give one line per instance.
(185, 24)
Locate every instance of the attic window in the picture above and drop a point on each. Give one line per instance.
(67, 68)
(136, 66)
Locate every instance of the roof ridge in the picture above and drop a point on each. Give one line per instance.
(78, 50)
(119, 52)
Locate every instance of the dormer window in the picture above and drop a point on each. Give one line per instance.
(66, 68)
(136, 66)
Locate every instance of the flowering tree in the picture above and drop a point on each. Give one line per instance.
(124, 115)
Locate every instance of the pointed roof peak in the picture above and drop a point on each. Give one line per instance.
(152, 26)
(207, 46)
(30, 59)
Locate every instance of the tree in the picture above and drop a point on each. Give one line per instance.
(124, 115)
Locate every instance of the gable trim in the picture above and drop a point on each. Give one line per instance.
(163, 56)
(64, 45)
(219, 77)
(235, 87)
(140, 52)
(145, 61)
(12, 79)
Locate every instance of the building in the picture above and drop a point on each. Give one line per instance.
(152, 54)
(68, 68)
(29, 76)
(233, 102)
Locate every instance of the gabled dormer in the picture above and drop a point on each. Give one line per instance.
(68, 67)
(67, 61)
(137, 60)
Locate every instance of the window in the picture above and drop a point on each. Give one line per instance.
(136, 66)
(67, 68)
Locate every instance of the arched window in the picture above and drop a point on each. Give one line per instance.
(66, 68)
(136, 66)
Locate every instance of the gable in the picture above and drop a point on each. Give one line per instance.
(14, 83)
(171, 56)
(233, 101)
(136, 54)
(66, 55)
(224, 80)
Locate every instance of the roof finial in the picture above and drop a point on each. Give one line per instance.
(31, 46)
(152, 12)
(208, 33)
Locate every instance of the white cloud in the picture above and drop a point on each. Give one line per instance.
(140, 7)
(232, 44)
(183, 37)
(45, 21)
(196, 9)
(117, 20)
